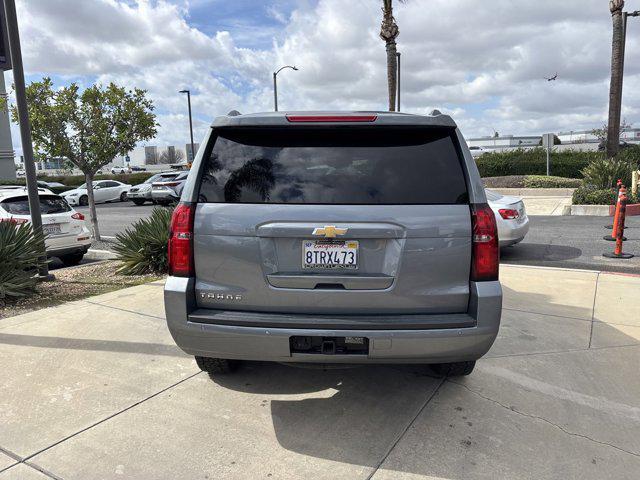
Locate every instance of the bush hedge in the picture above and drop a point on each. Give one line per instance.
(74, 181)
(567, 163)
(590, 195)
(542, 181)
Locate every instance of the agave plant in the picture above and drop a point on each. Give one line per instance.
(142, 248)
(21, 255)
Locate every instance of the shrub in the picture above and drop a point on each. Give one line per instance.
(142, 248)
(604, 173)
(542, 181)
(21, 255)
(590, 195)
(533, 161)
(630, 154)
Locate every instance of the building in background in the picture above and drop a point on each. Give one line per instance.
(587, 136)
(506, 141)
(7, 154)
(187, 149)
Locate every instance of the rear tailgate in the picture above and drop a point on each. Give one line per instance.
(340, 221)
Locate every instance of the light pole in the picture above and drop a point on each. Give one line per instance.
(25, 127)
(275, 84)
(398, 56)
(193, 153)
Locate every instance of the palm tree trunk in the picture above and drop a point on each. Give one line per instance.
(389, 32)
(93, 215)
(615, 88)
(392, 74)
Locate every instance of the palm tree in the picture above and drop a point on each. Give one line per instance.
(615, 89)
(389, 31)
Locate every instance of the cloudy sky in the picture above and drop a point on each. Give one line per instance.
(483, 61)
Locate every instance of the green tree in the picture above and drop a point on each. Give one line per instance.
(88, 128)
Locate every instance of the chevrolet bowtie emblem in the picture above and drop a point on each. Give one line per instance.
(330, 231)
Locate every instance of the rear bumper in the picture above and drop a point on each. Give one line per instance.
(510, 232)
(164, 195)
(146, 195)
(70, 250)
(429, 339)
(69, 244)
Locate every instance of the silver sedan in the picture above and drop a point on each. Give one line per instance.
(511, 217)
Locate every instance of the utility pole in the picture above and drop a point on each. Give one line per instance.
(25, 127)
(398, 55)
(193, 153)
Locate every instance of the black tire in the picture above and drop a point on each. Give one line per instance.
(72, 260)
(214, 366)
(83, 201)
(138, 202)
(162, 203)
(123, 197)
(456, 369)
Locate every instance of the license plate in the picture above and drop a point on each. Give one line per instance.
(52, 229)
(337, 254)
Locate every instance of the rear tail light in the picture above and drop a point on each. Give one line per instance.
(332, 118)
(170, 184)
(485, 248)
(181, 241)
(77, 216)
(509, 213)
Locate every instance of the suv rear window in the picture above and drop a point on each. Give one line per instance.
(373, 165)
(49, 204)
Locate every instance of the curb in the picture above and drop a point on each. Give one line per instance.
(595, 210)
(100, 255)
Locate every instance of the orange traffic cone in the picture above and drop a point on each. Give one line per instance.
(619, 223)
(614, 228)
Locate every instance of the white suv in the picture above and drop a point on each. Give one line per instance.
(67, 235)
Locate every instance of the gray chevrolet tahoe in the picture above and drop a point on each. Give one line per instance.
(349, 237)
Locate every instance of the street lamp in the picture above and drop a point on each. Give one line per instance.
(275, 84)
(25, 127)
(193, 153)
(399, 71)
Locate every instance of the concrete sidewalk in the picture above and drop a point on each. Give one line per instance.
(97, 389)
(542, 201)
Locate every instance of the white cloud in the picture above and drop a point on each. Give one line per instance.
(483, 61)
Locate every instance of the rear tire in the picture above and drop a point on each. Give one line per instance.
(83, 201)
(123, 197)
(72, 260)
(214, 366)
(455, 369)
(138, 202)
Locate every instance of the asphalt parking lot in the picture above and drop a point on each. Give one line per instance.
(113, 218)
(553, 241)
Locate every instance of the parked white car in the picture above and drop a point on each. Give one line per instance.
(103, 191)
(120, 170)
(477, 151)
(68, 238)
(511, 217)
